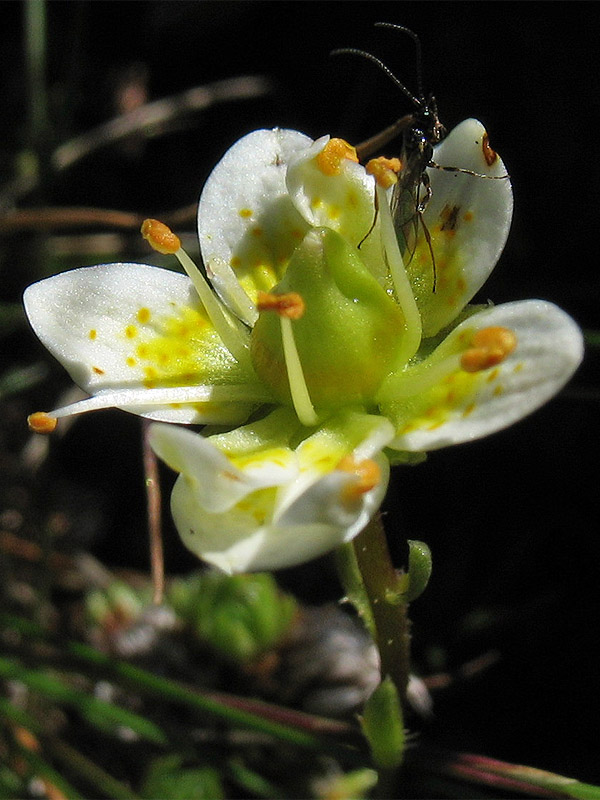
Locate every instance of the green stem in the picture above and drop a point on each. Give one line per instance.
(389, 614)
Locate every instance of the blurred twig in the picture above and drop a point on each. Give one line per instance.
(156, 115)
(153, 499)
(51, 218)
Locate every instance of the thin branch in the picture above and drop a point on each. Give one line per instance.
(157, 114)
(153, 499)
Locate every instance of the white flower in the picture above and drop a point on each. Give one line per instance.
(318, 306)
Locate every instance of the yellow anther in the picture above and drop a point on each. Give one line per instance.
(331, 156)
(367, 472)
(489, 346)
(40, 422)
(384, 170)
(160, 237)
(290, 305)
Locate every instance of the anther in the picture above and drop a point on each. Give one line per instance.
(41, 422)
(384, 170)
(367, 472)
(331, 156)
(290, 305)
(160, 237)
(489, 346)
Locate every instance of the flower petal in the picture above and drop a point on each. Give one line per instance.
(215, 480)
(468, 219)
(342, 199)
(133, 326)
(237, 541)
(246, 221)
(246, 501)
(455, 406)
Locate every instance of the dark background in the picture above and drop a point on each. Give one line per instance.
(511, 520)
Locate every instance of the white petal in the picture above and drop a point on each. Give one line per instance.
(238, 542)
(210, 476)
(344, 202)
(130, 326)
(245, 217)
(468, 219)
(467, 406)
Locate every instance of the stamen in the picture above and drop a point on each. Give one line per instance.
(329, 160)
(384, 170)
(290, 305)
(234, 335)
(490, 346)
(160, 237)
(367, 472)
(402, 287)
(40, 422)
(298, 388)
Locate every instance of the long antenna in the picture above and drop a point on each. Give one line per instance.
(354, 51)
(417, 42)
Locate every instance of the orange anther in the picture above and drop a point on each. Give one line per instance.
(290, 305)
(367, 472)
(330, 158)
(384, 170)
(160, 237)
(40, 422)
(490, 346)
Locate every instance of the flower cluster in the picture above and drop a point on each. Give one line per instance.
(327, 343)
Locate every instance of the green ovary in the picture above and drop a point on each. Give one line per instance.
(348, 337)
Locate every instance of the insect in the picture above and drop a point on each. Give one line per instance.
(420, 130)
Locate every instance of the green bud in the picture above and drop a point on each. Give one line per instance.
(383, 725)
(419, 568)
(347, 339)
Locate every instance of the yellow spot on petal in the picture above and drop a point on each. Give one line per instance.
(518, 367)
(498, 390)
(131, 331)
(93, 333)
(469, 409)
(98, 371)
(131, 362)
(143, 315)
(41, 422)
(245, 212)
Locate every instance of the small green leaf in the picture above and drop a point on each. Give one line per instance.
(382, 724)
(419, 568)
(168, 777)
